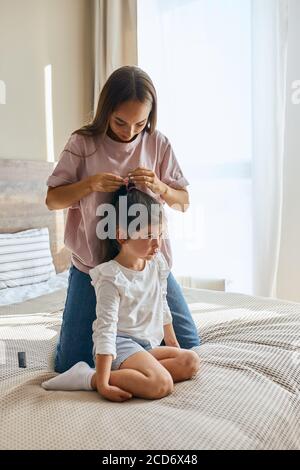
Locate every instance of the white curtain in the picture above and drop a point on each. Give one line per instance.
(198, 53)
(220, 71)
(269, 67)
(115, 36)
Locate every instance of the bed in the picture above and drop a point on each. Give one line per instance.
(245, 396)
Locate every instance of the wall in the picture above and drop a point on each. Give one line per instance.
(288, 286)
(34, 34)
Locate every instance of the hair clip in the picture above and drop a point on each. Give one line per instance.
(129, 185)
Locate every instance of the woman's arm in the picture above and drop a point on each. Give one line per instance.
(64, 196)
(178, 199)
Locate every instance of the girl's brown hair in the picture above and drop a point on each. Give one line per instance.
(134, 197)
(128, 83)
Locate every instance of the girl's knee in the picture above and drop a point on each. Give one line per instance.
(160, 385)
(190, 362)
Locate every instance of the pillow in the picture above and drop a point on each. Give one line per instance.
(25, 258)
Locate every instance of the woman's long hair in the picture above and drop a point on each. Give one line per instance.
(128, 83)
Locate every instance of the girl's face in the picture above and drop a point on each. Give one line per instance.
(145, 244)
(129, 119)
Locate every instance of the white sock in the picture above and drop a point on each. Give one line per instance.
(77, 378)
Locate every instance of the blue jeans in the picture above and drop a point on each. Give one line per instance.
(75, 342)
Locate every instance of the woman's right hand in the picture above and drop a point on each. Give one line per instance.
(113, 393)
(105, 182)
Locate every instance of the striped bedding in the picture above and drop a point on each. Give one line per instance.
(246, 395)
(25, 258)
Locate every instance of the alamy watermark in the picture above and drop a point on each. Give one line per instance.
(295, 98)
(134, 222)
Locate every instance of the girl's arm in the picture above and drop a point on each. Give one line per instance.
(170, 336)
(169, 333)
(103, 370)
(64, 196)
(105, 330)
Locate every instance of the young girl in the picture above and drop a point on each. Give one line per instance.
(121, 139)
(132, 315)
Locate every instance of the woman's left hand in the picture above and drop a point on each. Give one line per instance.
(149, 179)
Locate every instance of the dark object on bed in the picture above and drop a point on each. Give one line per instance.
(22, 359)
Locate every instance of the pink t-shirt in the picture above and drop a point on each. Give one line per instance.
(84, 156)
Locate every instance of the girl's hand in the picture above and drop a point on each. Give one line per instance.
(170, 336)
(105, 182)
(149, 179)
(171, 342)
(114, 393)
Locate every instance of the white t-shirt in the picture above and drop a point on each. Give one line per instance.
(130, 302)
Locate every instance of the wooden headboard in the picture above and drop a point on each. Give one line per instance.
(22, 204)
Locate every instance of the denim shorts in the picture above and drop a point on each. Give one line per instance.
(127, 346)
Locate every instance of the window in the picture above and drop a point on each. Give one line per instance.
(198, 54)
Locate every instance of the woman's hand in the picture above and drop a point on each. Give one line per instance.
(114, 393)
(149, 179)
(105, 182)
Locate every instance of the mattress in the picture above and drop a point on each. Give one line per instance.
(245, 396)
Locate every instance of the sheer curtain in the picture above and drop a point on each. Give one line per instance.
(269, 69)
(198, 53)
(219, 68)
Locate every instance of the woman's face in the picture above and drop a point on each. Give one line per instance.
(129, 119)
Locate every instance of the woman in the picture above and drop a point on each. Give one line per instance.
(121, 142)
